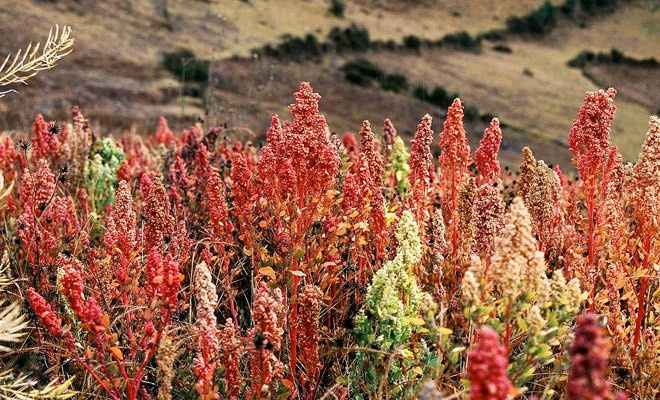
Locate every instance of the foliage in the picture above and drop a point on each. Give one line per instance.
(100, 173)
(540, 21)
(438, 96)
(353, 38)
(394, 83)
(337, 8)
(389, 318)
(412, 42)
(186, 66)
(615, 57)
(362, 72)
(461, 40)
(188, 265)
(13, 330)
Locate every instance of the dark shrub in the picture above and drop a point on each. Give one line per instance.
(412, 42)
(421, 92)
(568, 8)
(338, 39)
(580, 61)
(540, 21)
(337, 8)
(613, 57)
(358, 37)
(292, 48)
(495, 35)
(597, 6)
(471, 113)
(353, 38)
(616, 56)
(184, 63)
(502, 48)
(439, 96)
(462, 41)
(394, 83)
(362, 72)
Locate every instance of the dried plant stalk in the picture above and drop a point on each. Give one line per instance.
(27, 62)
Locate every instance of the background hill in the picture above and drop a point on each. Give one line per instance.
(116, 73)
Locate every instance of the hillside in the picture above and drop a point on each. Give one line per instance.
(115, 72)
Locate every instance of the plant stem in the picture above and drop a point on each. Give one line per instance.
(641, 309)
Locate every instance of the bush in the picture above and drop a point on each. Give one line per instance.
(184, 63)
(581, 60)
(412, 42)
(462, 41)
(495, 35)
(338, 39)
(353, 38)
(597, 6)
(295, 49)
(337, 8)
(394, 83)
(442, 97)
(358, 37)
(362, 72)
(471, 112)
(439, 96)
(568, 8)
(613, 57)
(421, 93)
(540, 21)
(502, 48)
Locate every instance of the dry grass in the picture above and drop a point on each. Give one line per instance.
(135, 31)
(260, 20)
(639, 85)
(545, 104)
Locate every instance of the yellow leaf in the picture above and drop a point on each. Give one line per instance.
(445, 331)
(416, 321)
(268, 271)
(298, 273)
(116, 352)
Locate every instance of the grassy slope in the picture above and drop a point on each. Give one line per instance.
(114, 72)
(546, 103)
(261, 20)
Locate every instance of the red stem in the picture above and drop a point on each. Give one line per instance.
(74, 352)
(293, 329)
(454, 221)
(96, 378)
(591, 240)
(641, 309)
(486, 268)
